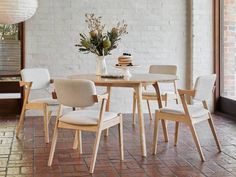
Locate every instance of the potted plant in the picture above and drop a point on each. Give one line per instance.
(99, 42)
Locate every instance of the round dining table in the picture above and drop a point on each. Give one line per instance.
(135, 81)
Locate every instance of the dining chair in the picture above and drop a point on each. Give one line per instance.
(82, 94)
(190, 114)
(36, 79)
(168, 89)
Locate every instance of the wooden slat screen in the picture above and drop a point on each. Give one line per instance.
(10, 56)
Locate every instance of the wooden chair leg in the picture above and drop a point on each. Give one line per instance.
(49, 116)
(120, 129)
(53, 145)
(134, 107)
(78, 141)
(155, 135)
(210, 121)
(95, 151)
(46, 131)
(166, 100)
(21, 122)
(197, 143)
(106, 132)
(165, 132)
(149, 110)
(176, 133)
(166, 103)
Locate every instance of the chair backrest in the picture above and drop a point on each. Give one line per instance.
(75, 93)
(39, 77)
(204, 86)
(163, 69)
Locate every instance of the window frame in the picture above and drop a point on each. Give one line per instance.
(222, 104)
(12, 107)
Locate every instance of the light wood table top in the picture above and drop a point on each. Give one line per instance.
(134, 79)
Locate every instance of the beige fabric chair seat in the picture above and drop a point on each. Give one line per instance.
(195, 111)
(49, 101)
(86, 117)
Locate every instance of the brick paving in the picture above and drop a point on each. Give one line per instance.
(27, 157)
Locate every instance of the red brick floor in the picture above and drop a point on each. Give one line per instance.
(27, 157)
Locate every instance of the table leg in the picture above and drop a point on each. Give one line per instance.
(109, 97)
(108, 107)
(138, 90)
(164, 125)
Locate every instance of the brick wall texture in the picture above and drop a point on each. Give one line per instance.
(158, 34)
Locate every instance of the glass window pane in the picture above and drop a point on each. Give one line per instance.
(228, 48)
(10, 49)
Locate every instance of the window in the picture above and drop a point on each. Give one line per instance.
(228, 49)
(10, 49)
(11, 62)
(225, 55)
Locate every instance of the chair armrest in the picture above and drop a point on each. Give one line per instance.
(182, 94)
(26, 90)
(98, 98)
(22, 83)
(25, 84)
(186, 92)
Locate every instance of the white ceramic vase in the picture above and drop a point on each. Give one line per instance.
(101, 67)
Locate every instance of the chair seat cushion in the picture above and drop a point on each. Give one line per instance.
(49, 101)
(86, 117)
(195, 111)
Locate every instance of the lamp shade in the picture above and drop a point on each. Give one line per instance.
(16, 11)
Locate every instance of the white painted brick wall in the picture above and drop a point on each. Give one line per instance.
(157, 35)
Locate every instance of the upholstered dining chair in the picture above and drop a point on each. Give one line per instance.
(168, 89)
(190, 114)
(82, 94)
(36, 79)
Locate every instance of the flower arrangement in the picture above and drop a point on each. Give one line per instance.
(99, 42)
